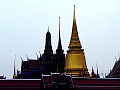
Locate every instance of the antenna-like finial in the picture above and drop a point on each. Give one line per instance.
(97, 71)
(116, 58)
(40, 54)
(27, 57)
(119, 55)
(59, 27)
(14, 64)
(37, 55)
(48, 29)
(74, 17)
(92, 69)
(14, 75)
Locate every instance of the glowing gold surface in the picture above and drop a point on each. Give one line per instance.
(75, 62)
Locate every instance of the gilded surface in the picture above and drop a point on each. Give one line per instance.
(75, 62)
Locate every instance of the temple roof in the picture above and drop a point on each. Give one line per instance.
(25, 65)
(115, 72)
(34, 63)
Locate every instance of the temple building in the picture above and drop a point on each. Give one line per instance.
(75, 62)
(44, 64)
(30, 69)
(115, 72)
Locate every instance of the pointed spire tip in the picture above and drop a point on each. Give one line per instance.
(74, 18)
(48, 28)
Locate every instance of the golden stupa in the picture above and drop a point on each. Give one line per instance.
(75, 62)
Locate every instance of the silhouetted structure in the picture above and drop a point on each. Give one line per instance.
(53, 71)
(30, 69)
(115, 72)
(59, 56)
(2, 77)
(46, 63)
(94, 75)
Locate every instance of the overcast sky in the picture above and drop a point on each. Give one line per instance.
(24, 23)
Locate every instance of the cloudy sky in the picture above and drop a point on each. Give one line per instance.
(24, 23)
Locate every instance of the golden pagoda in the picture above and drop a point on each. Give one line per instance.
(75, 62)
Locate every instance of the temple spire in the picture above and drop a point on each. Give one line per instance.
(59, 48)
(92, 70)
(74, 17)
(14, 75)
(75, 62)
(48, 46)
(74, 42)
(92, 73)
(59, 56)
(59, 42)
(59, 32)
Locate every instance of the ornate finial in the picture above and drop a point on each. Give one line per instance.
(21, 58)
(97, 71)
(27, 57)
(59, 32)
(118, 55)
(48, 29)
(116, 58)
(37, 55)
(74, 18)
(40, 54)
(14, 65)
(59, 27)
(59, 48)
(92, 70)
(97, 67)
(18, 72)
(14, 75)
(14, 68)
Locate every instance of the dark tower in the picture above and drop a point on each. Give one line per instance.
(48, 46)
(59, 56)
(47, 57)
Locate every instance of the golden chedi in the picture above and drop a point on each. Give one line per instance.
(75, 62)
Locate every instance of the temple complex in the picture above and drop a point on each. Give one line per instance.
(57, 71)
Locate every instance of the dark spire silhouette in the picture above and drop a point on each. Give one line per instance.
(59, 48)
(59, 56)
(48, 46)
(97, 72)
(14, 74)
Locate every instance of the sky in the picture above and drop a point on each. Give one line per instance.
(24, 23)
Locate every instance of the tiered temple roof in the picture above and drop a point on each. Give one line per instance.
(115, 72)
